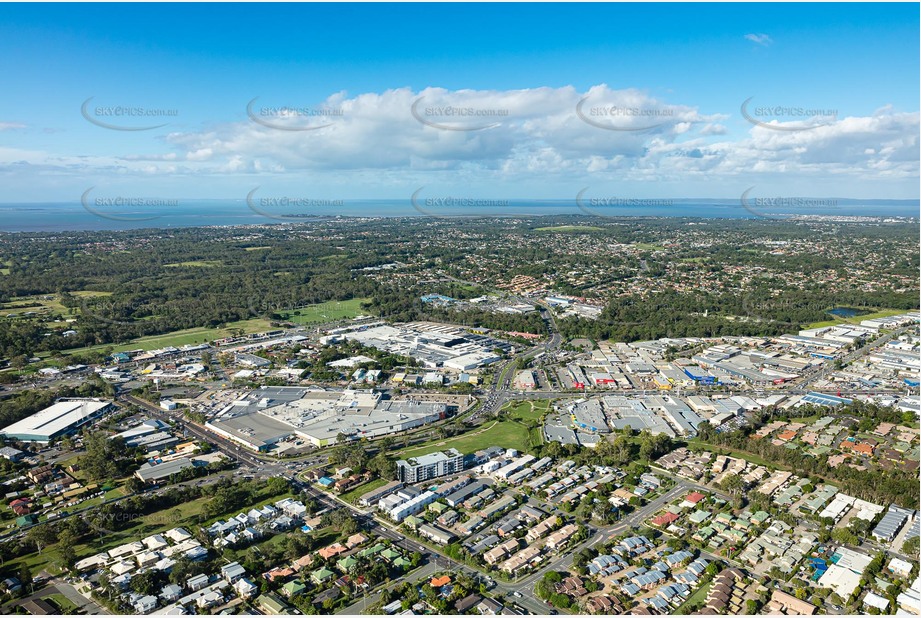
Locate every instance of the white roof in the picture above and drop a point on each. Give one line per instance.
(91, 562)
(843, 581)
(57, 417)
(171, 610)
(898, 565)
(874, 600)
(122, 567)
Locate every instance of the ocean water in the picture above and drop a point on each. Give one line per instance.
(74, 216)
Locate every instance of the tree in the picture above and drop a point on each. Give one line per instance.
(104, 457)
(147, 582)
(25, 575)
(135, 485)
(66, 542)
(276, 486)
(41, 536)
(910, 547)
(732, 484)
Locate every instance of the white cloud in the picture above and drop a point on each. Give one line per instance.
(623, 135)
(761, 39)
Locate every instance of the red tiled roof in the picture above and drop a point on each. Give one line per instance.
(664, 519)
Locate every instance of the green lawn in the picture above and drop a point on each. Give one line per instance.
(353, 496)
(535, 437)
(184, 337)
(880, 313)
(698, 597)
(570, 228)
(195, 263)
(808, 420)
(645, 246)
(325, 312)
(695, 443)
(505, 434)
(527, 410)
(62, 603)
(45, 307)
(112, 494)
(184, 515)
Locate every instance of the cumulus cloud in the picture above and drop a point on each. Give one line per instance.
(518, 137)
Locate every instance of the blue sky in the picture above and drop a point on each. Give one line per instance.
(661, 89)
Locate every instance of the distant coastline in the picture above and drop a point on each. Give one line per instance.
(73, 216)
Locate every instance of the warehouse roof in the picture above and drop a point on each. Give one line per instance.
(149, 472)
(57, 418)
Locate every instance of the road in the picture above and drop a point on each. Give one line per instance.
(524, 586)
(863, 351)
(58, 586)
(493, 399)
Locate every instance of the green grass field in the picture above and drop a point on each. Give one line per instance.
(195, 263)
(38, 303)
(535, 437)
(645, 246)
(62, 603)
(695, 443)
(505, 434)
(112, 494)
(570, 228)
(879, 313)
(698, 597)
(325, 312)
(527, 410)
(183, 337)
(185, 515)
(352, 496)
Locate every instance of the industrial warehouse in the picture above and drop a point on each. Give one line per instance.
(433, 345)
(273, 418)
(63, 417)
